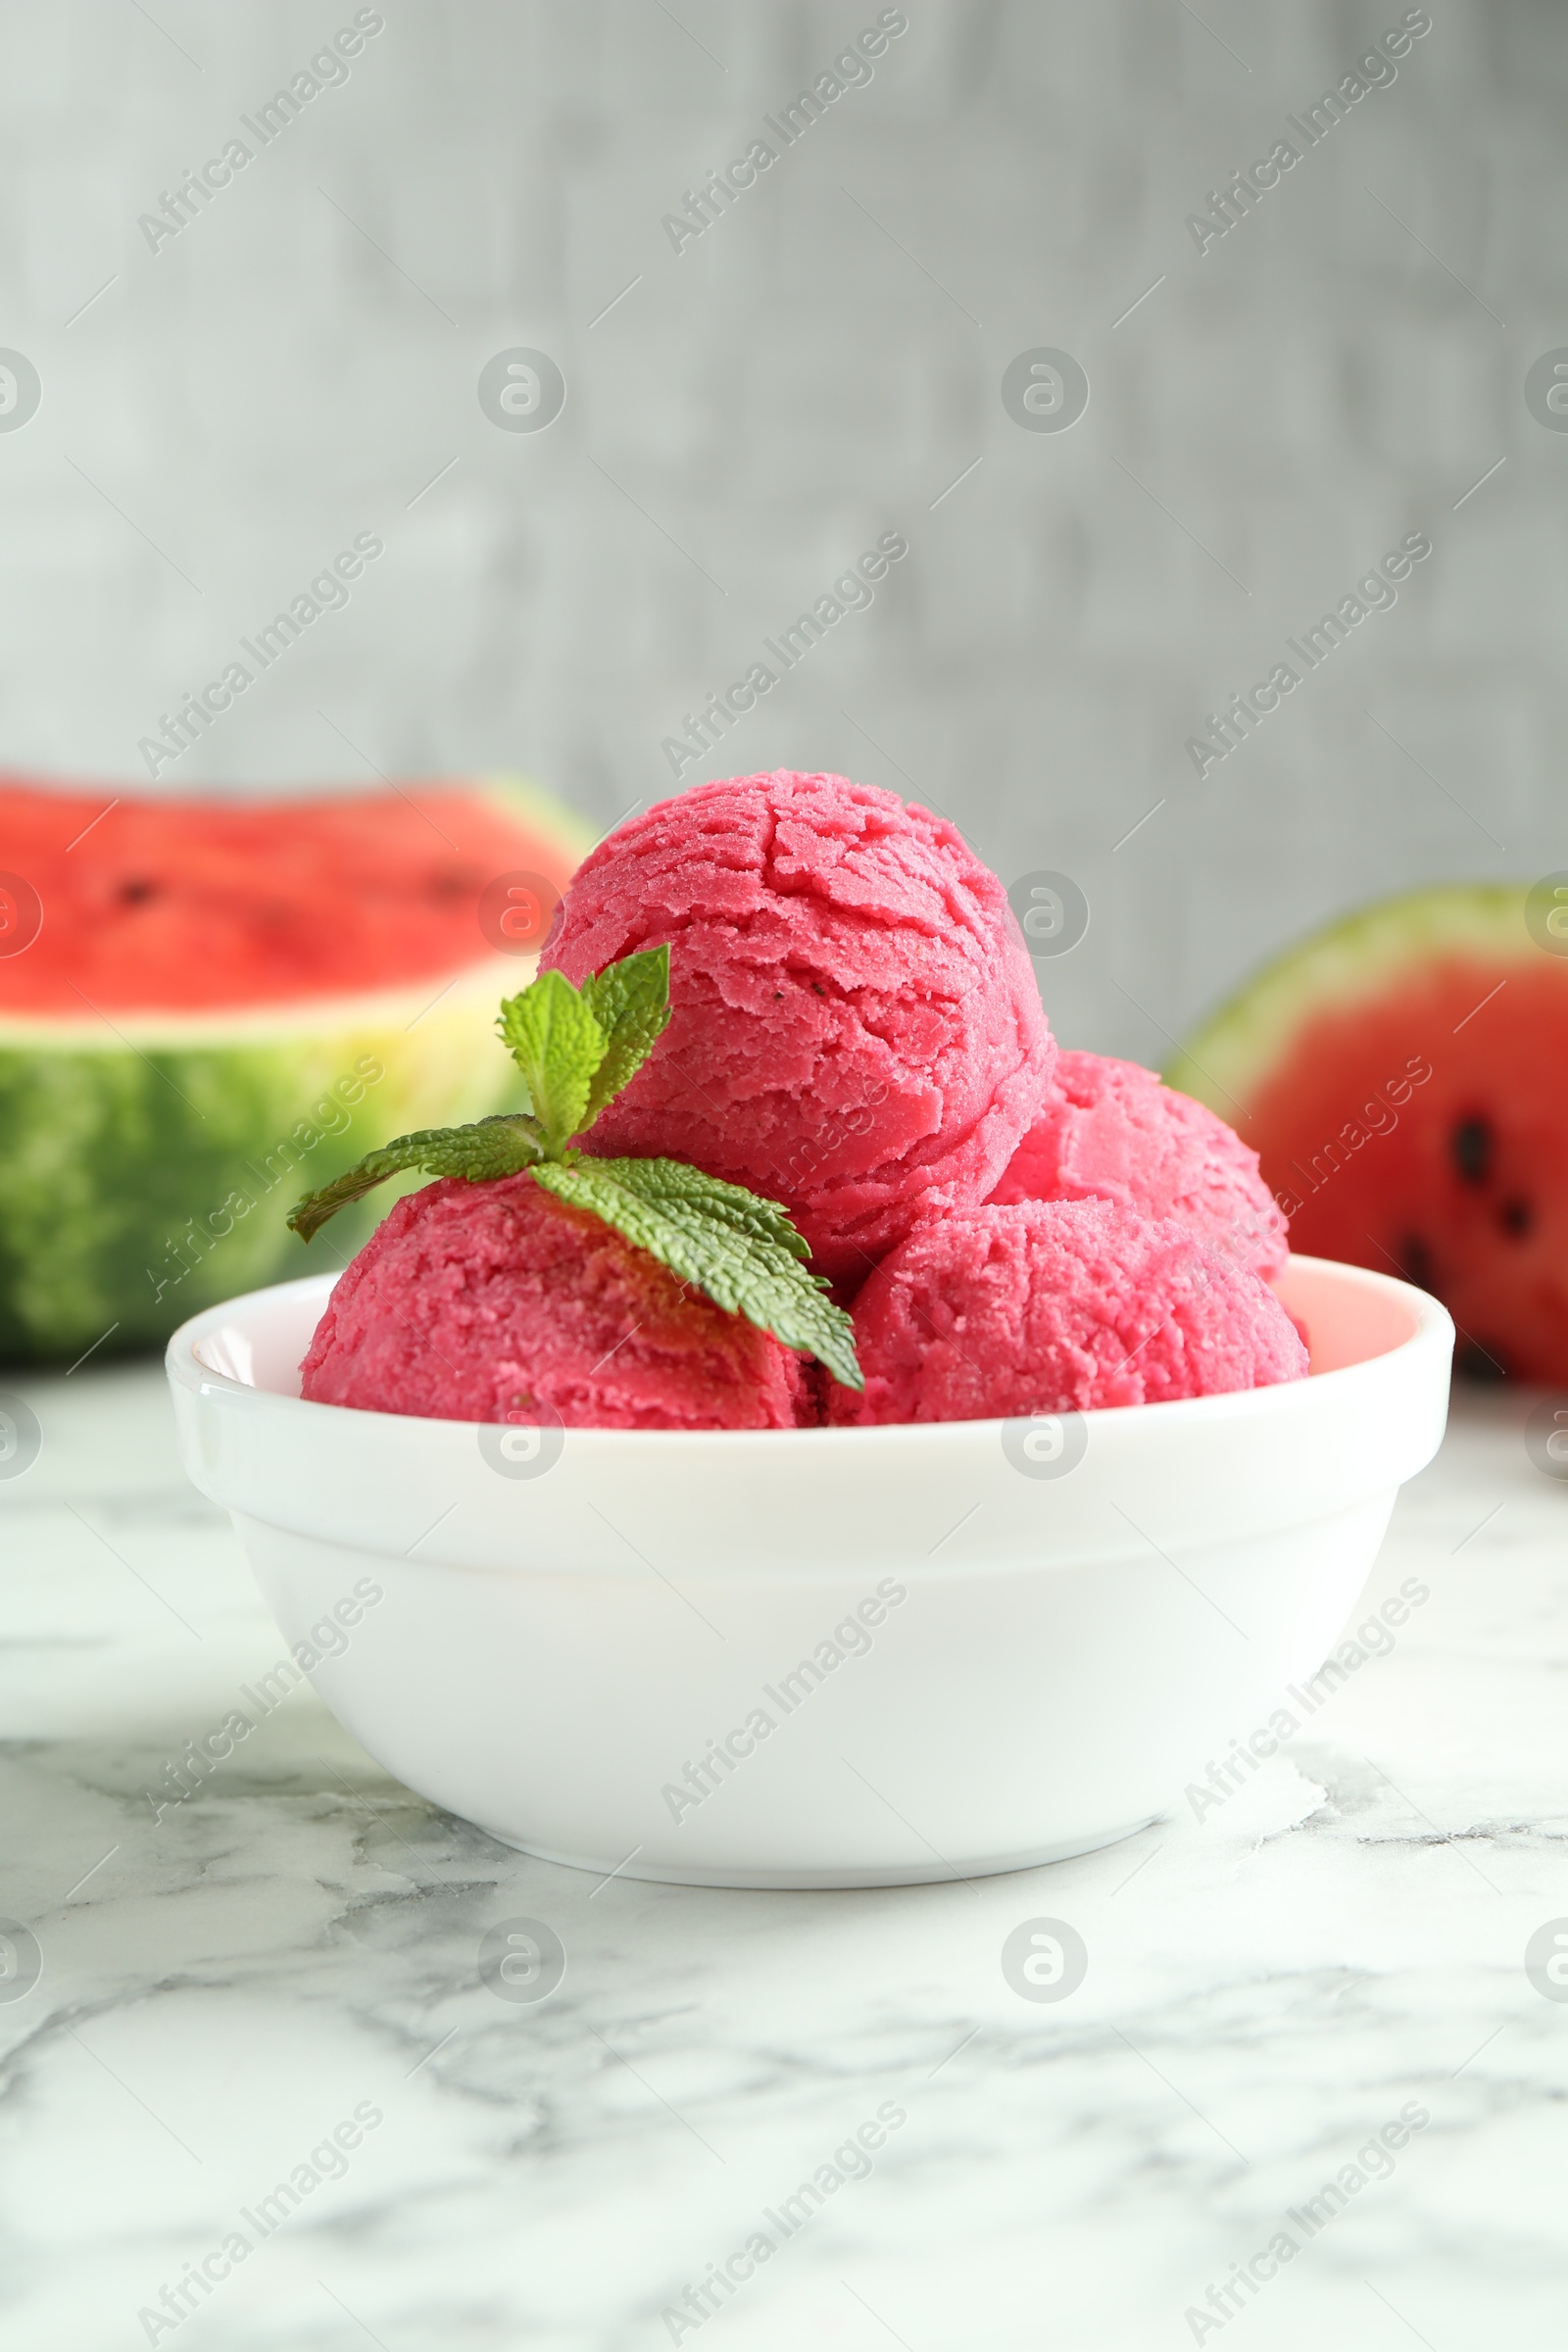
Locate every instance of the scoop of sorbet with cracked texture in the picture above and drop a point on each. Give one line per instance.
(1058, 1307)
(495, 1301)
(855, 1029)
(1114, 1130)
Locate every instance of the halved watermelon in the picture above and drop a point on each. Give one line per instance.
(1404, 1080)
(210, 1007)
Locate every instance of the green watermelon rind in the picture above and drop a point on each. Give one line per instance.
(1254, 1034)
(147, 1165)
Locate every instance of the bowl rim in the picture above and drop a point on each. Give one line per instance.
(1431, 1326)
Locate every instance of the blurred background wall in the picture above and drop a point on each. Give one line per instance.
(224, 406)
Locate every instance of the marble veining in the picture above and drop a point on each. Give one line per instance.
(260, 2039)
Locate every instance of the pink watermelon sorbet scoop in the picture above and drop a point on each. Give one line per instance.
(495, 1301)
(1058, 1306)
(856, 1028)
(1114, 1131)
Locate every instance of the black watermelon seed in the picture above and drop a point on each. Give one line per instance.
(1471, 1145)
(1516, 1217)
(131, 894)
(1475, 1362)
(1417, 1263)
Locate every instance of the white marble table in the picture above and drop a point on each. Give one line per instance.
(227, 1986)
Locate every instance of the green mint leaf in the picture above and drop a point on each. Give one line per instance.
(737, 1247)
(500, 1145)
(631, 1002)
(558, 1045)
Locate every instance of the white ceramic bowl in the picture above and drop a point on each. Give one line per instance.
(815, 1657)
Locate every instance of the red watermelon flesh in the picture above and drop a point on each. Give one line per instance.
(1405, 1081)
(183, 906)
(1440, 1153)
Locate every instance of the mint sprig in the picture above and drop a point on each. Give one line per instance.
(502, 1146)
(631, 1002)
(558, 1045)
(576, 1049)
(738, 1249)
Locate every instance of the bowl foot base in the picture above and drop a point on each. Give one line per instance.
(899, 1873)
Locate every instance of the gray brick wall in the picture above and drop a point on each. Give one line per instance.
(817, 368)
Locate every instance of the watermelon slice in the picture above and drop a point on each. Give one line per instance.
(210, 1007)
(1404, 1078)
